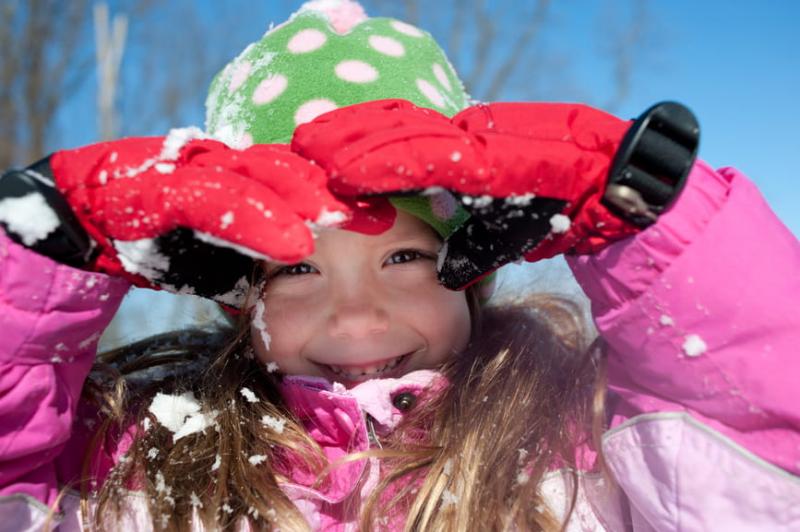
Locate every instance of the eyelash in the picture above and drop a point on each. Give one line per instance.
(411, 255)
(291, 270)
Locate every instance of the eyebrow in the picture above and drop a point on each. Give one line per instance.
(411, 233)
(414, 236)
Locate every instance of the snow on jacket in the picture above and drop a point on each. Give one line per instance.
(699, 312)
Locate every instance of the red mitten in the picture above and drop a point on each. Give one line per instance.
(191, 215)
(534, 177)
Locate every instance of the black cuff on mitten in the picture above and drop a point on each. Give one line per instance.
(652, 163)
(68, 243)
(495, 234)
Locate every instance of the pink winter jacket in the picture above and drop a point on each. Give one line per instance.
(700, 312)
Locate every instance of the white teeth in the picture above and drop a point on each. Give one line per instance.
(368, 371)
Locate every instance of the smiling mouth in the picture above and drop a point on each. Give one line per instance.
(362, 373)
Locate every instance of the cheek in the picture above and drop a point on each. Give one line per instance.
(456, 321)
(441, 315)
(285, 329)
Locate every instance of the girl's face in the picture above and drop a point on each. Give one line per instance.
(363, 307)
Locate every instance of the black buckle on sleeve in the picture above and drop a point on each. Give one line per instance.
(652, 163)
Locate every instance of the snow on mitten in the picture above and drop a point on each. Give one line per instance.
(537, 179)
(190, 215)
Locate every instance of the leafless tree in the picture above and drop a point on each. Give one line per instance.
(109, 48)
(629, 37)
(42, 62)
(500, 47)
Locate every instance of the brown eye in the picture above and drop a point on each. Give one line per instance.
(406, 255)
(294, 270)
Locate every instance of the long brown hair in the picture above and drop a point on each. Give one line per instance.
(519, 401)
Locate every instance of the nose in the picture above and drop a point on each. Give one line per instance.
(357, 316)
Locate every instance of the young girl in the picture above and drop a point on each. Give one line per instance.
(356, 391)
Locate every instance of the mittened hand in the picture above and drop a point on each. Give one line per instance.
(191, 215)
(532, 176)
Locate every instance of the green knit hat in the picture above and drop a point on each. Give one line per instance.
(327, 55)
(330, 55)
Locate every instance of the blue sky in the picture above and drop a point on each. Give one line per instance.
(737, 65)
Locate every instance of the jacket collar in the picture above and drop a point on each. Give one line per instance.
(335, 417)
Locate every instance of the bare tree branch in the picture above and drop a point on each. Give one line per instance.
(40, 48)
(412, 12)
(69, 42)
(506, 69)
(483, 45)
(176, 81)
(9, 59)
(623, 50)
(457, 30)
(35, 66)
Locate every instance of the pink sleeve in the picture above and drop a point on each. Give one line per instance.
(700, 314)
(51, 317)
